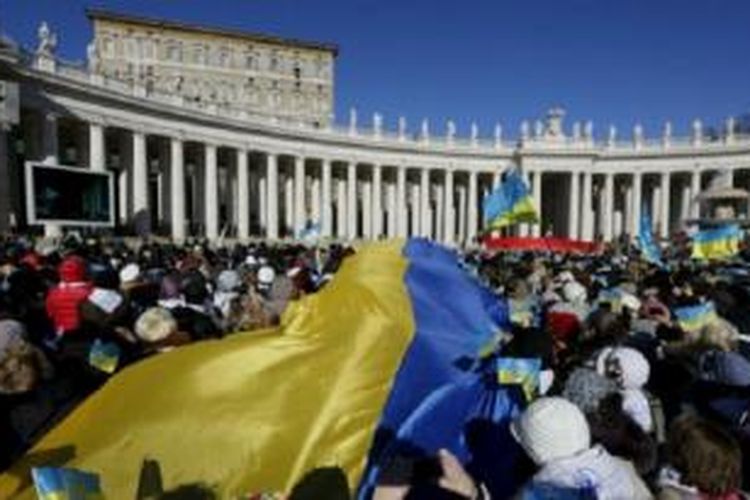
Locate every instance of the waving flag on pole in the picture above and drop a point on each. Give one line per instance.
(509, 203)
(649, 248)
(332, 386)
(719, 243)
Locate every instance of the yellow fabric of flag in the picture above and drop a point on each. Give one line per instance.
(255, 411)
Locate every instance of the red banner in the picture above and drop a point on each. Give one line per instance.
(559, 245)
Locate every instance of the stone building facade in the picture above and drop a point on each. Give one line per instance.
(290, 80)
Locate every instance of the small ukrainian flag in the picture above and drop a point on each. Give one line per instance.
(66, 484)
(693, 318)
(520, 371)
(510, 203)
(719, 243)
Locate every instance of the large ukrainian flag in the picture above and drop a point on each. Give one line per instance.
(719, 243)
(510, 203)
(258, 411)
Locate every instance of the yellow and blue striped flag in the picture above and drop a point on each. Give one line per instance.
(334, 385)
(520, 371)
(693, 318)
(719, 243)
(649, 249)
(510, 203)
(65, 484)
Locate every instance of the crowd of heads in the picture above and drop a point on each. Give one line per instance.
(632, 402)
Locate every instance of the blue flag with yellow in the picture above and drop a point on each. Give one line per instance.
(693, 318)
(66, 484)
(509, 203)
(332, 386)
(649, 248)
(719, 243)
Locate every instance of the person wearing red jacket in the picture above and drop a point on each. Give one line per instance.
(63, 300)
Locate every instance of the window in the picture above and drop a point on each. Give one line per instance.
(297, 73)
(197, 55)
(173, 52)
(107, 46)
(249, 61)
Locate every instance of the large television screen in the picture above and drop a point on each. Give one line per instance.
(68, 196)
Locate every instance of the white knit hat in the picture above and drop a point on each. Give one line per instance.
(130, 273)
(551, 428)
(266, 275)
(574, 292)
(155, 324)
(633, 366)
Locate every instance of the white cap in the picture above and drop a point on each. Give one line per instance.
(565, 277)
(250, 260)
(630, 301)
(130, 273)
(633, 366)
(551, 428)
(574, 292)
(266, 275)
(155, 324)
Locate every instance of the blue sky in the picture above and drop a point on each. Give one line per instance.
(611, 61)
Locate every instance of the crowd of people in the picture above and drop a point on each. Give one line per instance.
(634, 400)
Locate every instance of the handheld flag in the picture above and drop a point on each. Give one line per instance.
(65, 484)
(719, 243)
(104, 356)
(693, 318)
(510, 203)
(330, 387)
(521, 371)
(649, 249)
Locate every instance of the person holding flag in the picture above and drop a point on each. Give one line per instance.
(510, 203)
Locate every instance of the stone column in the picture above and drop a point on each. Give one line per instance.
(140, 174)
(628, 213)
(341, 226)
(473, 219)
(416, 208)
(401, 201)
(212, 192)
(377, 200)
(609, 204)
(536, 192)
(574, 205)
(655, 206)
(243, 195)
(289, 204)
(449, 229)
(351, 200)
(587, 230)
(50, 148)
(326, 199)
(96, 147)
(366, 188)
(664, 213)
(299, 195)
(461, 213)
(272, 196)
(390, 192)
(695, 188)
(177, 184)
(685, 203)
(263, 204)
(424, 201)
(438, 225)
(635, 220)
(315, 199)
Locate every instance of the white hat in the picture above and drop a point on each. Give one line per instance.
(266, 275)
(633, 366)
(630, 301)
(291, 273)
(574, 292)
(250, 260)
(130, 273)
(155, 324)
(551, 428)
(565, 277)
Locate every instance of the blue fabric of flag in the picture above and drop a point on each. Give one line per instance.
(449, 336)
(650, 250)
(504, 199)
